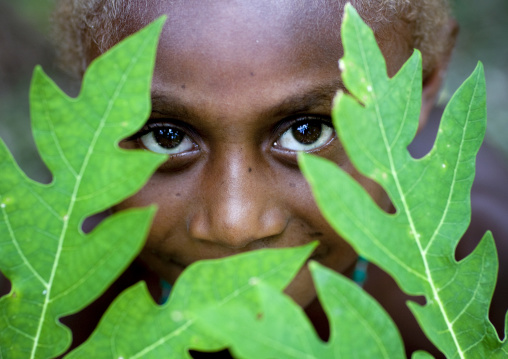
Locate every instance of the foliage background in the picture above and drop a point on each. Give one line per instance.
(482, 36)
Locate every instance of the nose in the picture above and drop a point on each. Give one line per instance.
(237, 207)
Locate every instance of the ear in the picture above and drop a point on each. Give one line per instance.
(433, 81)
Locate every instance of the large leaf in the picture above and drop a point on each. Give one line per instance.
(416, 245)
(56, 269)
(135, 327)
(359, 327)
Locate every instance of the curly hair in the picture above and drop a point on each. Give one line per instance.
(80, 25)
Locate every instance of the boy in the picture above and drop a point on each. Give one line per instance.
(239, 88)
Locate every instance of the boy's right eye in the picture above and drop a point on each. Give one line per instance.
(165, 138)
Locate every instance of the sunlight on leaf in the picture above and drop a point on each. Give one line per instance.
(416, 245)
(55, 269)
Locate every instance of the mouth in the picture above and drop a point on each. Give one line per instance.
(319, 253)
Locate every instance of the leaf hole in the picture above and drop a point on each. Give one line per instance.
(93, 221)
(426, 136)
(223, 354)
(5, 285)
(317, 316)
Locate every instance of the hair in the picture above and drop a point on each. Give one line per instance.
(79, 26)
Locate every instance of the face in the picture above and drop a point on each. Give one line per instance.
(238, 90)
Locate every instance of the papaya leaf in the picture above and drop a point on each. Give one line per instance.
(55, 269)
(277, 329)
(420, 354)
(431, 195)
(359, 327)
(135, 327)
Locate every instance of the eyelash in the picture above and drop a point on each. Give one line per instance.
(152, 125)
(285, 143)
(283, 126)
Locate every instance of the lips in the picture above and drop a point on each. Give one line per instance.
(177, 263)
(319, 253)
(177, 260)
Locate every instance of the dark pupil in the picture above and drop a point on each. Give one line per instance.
(307, 133)
(168, 137)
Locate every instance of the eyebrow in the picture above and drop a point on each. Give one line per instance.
(167, 104)
(160, 103)
(308, 99)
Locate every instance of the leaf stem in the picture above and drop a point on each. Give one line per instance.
(434, 290)
(72, 202)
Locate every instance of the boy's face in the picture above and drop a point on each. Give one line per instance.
(239, 89)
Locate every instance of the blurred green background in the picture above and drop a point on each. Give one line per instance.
(483, 37)
(24, 43)
(24, 34)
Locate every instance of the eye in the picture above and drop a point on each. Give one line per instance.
(306, 135)
(166, 139)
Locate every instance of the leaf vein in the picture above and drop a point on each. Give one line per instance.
(18, 248)
(73, 197)
(44, 203)
(404, 202)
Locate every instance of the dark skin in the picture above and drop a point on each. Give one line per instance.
(233, 179)
(238, 90)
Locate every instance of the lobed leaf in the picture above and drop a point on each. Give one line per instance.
(416, 245)
(359, 327)
(280, 329)
(135, 327)
(55, 269)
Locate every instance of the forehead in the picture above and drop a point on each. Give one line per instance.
(284, 13)
(244, 52)
(307, 30)
(244, 27)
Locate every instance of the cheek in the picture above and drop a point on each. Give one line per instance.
(332, 251)
(170, 195)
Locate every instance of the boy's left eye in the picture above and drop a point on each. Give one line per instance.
(306, 135)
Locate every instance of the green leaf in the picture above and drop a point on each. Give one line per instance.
(135, 327)
(416, 245)
(56, 269)
(421, 355)
(359, 327)
(278, 328)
